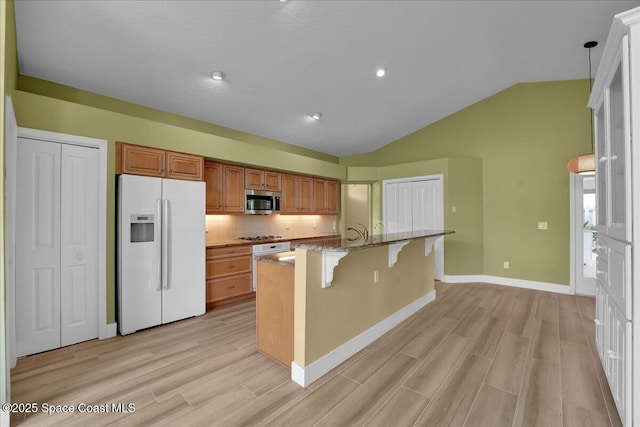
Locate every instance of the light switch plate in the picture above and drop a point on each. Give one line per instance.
(453, 209)
(543, 225)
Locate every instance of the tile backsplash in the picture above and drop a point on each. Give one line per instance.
(234, 226)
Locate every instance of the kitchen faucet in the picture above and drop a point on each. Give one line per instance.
(362, 234)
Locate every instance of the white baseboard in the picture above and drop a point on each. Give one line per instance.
(506, 281)
(109, 330)
(308, 374)
(4, 418)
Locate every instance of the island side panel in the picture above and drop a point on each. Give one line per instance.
(300, 307)
(354, 303)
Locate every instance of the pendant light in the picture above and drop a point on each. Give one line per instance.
(585, 163)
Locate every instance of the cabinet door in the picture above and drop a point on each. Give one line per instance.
(213, 180)
(253, 179)
(619, 361)
(332, 197)
(272, 181)
(602, 171)
(617, 101)
(391, 213)
(184, 166)
(601, 303)
(305, 194)
(138, 160)
(289, 202)
(319, 195)
(620, 275)
(233, 193)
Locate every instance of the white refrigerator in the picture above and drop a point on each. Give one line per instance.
(161, 251)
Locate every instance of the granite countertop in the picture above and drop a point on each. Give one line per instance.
(339, 244)
(278, 258)
(219, 243)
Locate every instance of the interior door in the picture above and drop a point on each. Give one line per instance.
(79, 244)
(37, 246)
(184, 249)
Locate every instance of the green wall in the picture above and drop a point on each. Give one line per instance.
(56, 115)
(524, 136)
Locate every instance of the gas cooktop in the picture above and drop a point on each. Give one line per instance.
(260, 238)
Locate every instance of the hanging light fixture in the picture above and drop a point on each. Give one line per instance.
(585, 163)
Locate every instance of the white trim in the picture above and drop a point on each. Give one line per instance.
(104, 330)
(11, 160)
(574, 181)
(5, 419)
(506, 281)
(109, 331)
(305, 375)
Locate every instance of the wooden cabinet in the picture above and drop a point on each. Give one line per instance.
(225, 188)
(256, 179)
(297, 194)
(213, 181)
(274, 312)
(184, 166)
(138, 160)
(233, 189)
(228, 275)
(325, 196)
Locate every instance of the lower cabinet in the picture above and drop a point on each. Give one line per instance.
(228, 275)
(613, 341)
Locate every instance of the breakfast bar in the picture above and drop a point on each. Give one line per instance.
(346, 294)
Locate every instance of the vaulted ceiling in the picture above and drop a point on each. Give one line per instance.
(284, 61)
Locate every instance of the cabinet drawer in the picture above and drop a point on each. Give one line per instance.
(601, 248)
(602, 272)
(228, 251)
(620, 276)
(228, 266)
(220, 289)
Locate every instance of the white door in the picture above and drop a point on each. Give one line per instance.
(584, 224)
(139, 246)
(56, 245)
(405, 210)
(79, 244)
(428, 215)
(183, 249)
(37, 247)
(391, 220)
(416, 204)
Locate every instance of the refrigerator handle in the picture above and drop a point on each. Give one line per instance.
(166, 281)
(159, 242)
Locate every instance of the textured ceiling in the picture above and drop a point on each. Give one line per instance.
(284, 61)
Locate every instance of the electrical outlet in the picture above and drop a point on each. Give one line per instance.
(543, 225)
(506, 265)
(376, 276)
(453, 209)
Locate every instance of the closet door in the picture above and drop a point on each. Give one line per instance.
(79, 244)
(37, 247)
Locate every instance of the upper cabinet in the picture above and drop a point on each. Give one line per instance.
(225, 188)
(256, 179)
(325, 196)
(213, 181)
(297, 194)
(613, 148)
(138, 160)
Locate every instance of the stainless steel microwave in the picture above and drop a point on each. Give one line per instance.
(261, 202)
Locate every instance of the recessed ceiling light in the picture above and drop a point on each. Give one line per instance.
(381, 72)
(316, 116)
(217, 75)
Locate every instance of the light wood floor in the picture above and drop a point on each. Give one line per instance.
(480, 355)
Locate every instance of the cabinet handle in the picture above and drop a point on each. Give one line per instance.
(613, 158)
(600, 272)
(231, 287)
(602, 159)
(232, 266)
(597, 322)
(612, 354)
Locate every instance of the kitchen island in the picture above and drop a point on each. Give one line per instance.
(348, 293)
